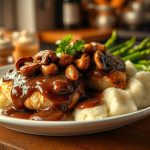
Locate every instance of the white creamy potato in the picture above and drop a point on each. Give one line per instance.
(119, 101)
(144, 77)
(93, 113)
(131, 70)
(139, 87)
(137, 90)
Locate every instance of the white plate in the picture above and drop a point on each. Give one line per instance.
(64, 128)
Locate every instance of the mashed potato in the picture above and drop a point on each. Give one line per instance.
(131, 70)
(144, 78)
(94, 113)
(119, 101)
(116, 102)
(139, 87)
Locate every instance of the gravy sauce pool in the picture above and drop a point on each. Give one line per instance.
(47, 115)
(92, 100)
(11, 112)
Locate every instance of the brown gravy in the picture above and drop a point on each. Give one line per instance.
(92, 100)
(57, 88)
(11, 112)
(43, 115)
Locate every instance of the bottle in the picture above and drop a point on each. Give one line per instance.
(6, 49)
(71, 14)
(26, 44)
(58, 14)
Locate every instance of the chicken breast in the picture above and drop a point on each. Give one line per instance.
(109, 71)
(115, 79)
(3, 101)
(5, 89)
(36, 101)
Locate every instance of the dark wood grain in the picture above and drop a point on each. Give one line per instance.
(135, 136)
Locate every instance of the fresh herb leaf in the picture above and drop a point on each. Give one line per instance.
(78, 45)
(66, 47)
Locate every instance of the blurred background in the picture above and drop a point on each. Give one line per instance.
(27, 26)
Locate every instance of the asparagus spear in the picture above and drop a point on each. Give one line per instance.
(119, 46)
(137, 55)
(142, 67)
(144, 62)
(148, 45)
(124, 49)
(139, 47)
(111, 40)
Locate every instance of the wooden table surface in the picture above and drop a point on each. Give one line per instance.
(87, 34)
(135, 136)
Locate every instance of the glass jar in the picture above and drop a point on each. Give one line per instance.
(6, 49)
(71, 14)
(25, 43)
(106, 17)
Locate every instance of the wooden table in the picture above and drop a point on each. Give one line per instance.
(135, 136)
(87, 34)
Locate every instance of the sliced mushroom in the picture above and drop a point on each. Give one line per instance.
(50, 69)
(72, 73)
(74, 99)
(30, 69)
(66, 60)
(94, 46)
(98, 55)
(84, 62)
(20, 62)
(62, 87)
(45, 57)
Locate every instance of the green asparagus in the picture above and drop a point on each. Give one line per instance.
(137, 55)
(142, 67)
(144, 62)
(139, 47)
(119, 46)
(111, 40)
(123, 50)
(127, 51)
(148, 45)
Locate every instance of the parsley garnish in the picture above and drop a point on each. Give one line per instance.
(66, 47)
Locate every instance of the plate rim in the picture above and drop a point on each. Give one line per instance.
(18, 121)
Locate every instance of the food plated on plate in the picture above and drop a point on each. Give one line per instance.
(77, 81)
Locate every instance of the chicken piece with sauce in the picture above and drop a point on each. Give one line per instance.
(37, 84)
(107, 71)
(52, 85)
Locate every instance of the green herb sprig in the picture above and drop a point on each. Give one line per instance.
(66, 47)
